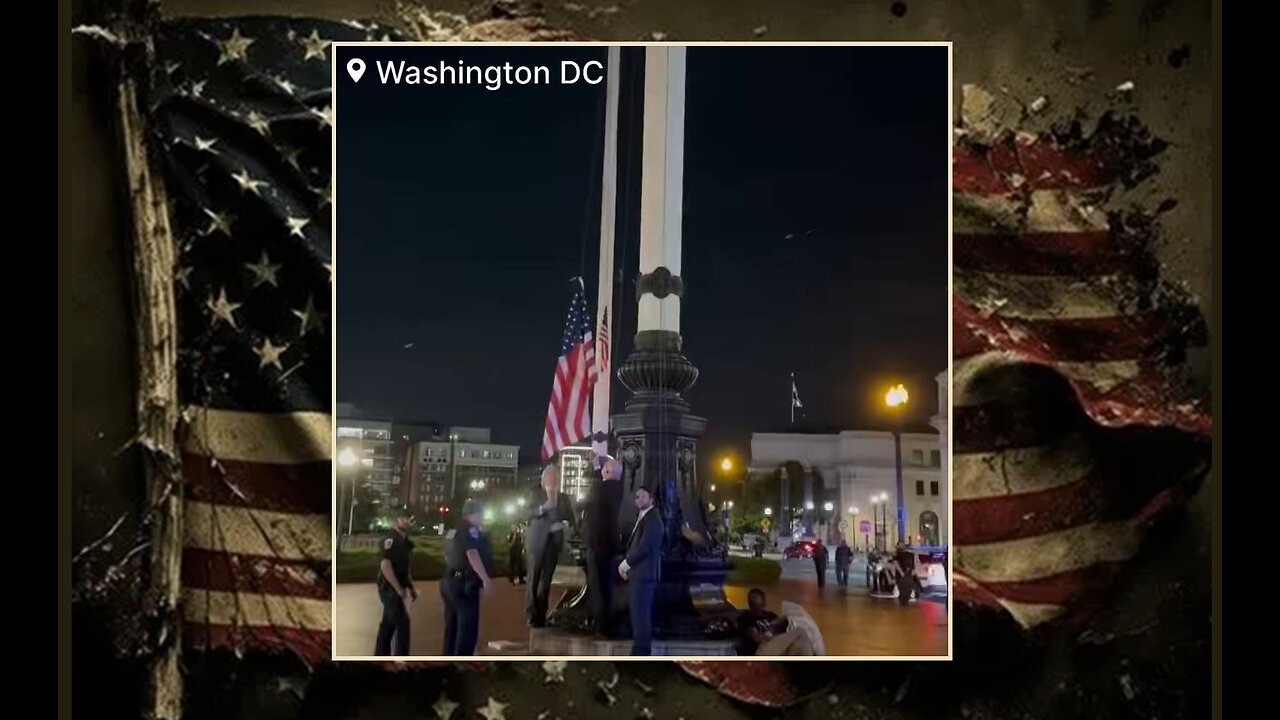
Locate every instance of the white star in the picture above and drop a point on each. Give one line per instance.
(493, 711)
(222, 309)
(315, 46)
(220, 222)
(291, 156)
(263, 271)
(269, 354)
(296, 225)
(325, 116)
(444, 707)
(554, 670)
(285, 85)
(247, 182)
(310, 318)
(235, 47)
(326, 197)
(205, 145)
(182, 275)
(197, 88)
(259, 123)
(329, 267)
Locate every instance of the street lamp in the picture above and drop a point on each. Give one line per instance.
(896, 398)
(768, 512)
(713, 487)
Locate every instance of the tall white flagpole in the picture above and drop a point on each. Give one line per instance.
(604, 291)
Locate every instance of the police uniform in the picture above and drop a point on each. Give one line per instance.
(460, 589)
(397, 549)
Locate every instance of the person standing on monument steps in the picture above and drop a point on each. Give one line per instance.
(641, 570)
(603, 540)
(544, 541)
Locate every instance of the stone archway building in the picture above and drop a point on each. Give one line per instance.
(849, 468)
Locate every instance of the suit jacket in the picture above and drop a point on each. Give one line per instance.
(604, 539)
(541, 520)
(644, 549)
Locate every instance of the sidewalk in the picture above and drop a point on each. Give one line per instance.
(852, 624)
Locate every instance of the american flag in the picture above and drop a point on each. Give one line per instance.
(1073, 430)
(240, 114)
(569, 410)
(602, 346)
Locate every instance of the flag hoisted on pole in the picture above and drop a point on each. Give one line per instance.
(795, 398)
(604, 291)
(569, 411)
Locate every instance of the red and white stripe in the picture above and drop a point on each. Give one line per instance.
(257, 542)
(569, 411)
(1041, 513)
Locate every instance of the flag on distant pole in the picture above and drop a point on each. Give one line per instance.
(569, 411)
(795, 398)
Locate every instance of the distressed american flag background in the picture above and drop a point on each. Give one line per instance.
(1070, 352)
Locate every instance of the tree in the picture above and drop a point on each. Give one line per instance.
(368, 508)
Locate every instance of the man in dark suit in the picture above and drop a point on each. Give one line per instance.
(603, 541)
(641, 570)
(549, 522)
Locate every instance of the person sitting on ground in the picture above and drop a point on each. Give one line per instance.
(765, 633)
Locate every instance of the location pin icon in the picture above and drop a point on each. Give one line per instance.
(355, 68)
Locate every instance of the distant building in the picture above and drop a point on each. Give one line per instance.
(462, 463)
(854, 471)
(364, 451)
(405, 437)
(575, 464)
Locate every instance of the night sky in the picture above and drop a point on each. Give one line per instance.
(815, 236)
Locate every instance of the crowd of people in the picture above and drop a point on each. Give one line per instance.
(630, 565)
(617, 564)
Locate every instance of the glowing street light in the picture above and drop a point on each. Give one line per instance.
(726, 464)
(808, 505)
(346, 457)
(768, 512)
(729, 504)
(509, 509)
(853, 509)
(828, 507)
(896, 397)
(713, 487)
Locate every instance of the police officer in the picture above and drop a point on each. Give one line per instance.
(468, 560)
(395, 588)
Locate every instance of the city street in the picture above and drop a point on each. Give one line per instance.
(852, 623)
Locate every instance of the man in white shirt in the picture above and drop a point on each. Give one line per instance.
(641, 570)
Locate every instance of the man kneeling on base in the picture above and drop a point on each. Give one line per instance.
(765, 633)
